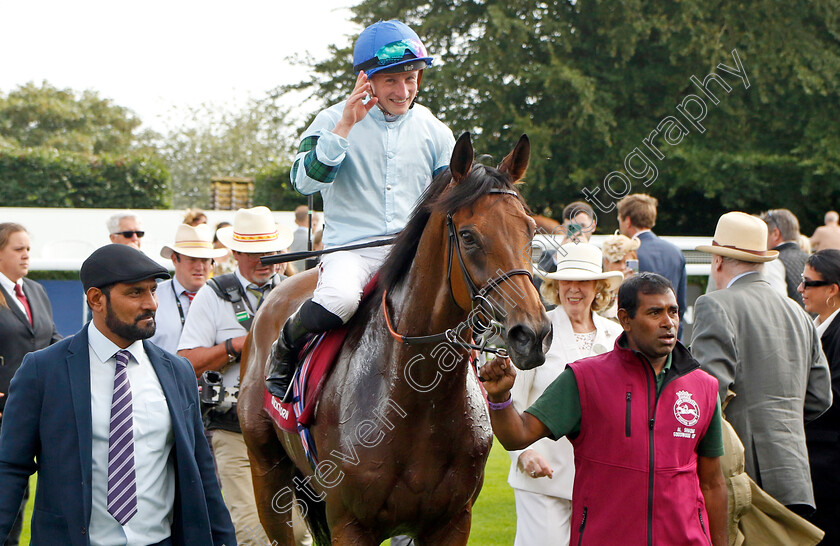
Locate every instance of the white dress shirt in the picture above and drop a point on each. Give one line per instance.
(154, 469)
(823, 326)
(167, 318)
(9, 287)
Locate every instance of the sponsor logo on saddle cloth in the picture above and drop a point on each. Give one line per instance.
(687, 412)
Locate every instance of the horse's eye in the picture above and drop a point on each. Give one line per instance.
(467, 237)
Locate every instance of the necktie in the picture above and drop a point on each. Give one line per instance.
(22, 297)
(259, 292)
(122, 489)
(189, 295)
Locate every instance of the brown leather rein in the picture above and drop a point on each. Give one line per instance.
(478, 296)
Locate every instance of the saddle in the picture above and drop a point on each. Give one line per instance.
(317, 359)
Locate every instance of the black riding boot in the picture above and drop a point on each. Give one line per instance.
(310, 318)
(283, 359)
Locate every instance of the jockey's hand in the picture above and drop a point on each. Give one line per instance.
(356, 109)
(498, 376)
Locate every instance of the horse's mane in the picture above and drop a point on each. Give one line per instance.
(444, 198)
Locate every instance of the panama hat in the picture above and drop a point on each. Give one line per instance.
(740, 236)
(193, 241)
(582, 262)
(254, 231)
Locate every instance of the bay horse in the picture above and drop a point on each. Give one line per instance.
(402, 430)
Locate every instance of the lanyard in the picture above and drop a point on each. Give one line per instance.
(178, 303)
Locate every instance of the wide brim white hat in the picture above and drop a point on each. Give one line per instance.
(582, 262)
(193, 241)
(741, 236)
(254, 231)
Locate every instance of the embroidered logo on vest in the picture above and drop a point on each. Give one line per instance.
(686, 410)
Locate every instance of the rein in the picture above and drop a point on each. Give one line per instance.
(478, 296)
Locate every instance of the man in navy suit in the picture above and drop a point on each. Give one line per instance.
(112, 425)
(636, 218)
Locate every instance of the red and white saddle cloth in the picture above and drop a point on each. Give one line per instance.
(319, 356)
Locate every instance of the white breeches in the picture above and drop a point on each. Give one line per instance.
(343, 275)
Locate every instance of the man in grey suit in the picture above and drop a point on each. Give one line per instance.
(764, 348)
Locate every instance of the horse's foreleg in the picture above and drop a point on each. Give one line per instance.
(455, 533)
(350, 533)
(272, 472)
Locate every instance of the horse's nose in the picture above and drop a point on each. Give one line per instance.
(526, 346)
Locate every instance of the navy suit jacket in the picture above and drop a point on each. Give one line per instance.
(660, 256)
(47, 429)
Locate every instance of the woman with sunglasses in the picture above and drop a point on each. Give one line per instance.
(820, 290)
(371, 157)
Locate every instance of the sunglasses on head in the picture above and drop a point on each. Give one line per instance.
(128, 234)
(807, 283)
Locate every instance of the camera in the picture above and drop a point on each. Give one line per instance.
(213, 394)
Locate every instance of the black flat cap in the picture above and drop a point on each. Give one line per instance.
(114, 263)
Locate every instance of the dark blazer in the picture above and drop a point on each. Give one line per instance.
(17, 336)
(823, 439)
(660, 256)
(47, 428)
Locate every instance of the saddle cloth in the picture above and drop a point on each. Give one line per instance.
(319, 356)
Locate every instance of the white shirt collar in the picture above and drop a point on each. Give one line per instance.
(7, 283)
(823, 326)
(736, 277)
(105, 348)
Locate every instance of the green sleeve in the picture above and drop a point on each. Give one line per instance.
(711, 445)
(558, 407)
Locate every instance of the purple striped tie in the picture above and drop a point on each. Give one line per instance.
(122, 489)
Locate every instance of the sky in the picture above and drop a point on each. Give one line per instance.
(156, 55)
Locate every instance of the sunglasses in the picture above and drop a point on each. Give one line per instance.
(129, 234)
(394, 52)
(813, 284)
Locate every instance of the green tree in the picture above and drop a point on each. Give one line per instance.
(35, 116)
(218, 141)
(62, 148)
(588, 81)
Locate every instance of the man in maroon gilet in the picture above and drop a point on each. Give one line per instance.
(645, 424)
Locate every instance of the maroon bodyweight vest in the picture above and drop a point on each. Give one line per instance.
(636, 455)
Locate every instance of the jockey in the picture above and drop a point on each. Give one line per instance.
(371, 157)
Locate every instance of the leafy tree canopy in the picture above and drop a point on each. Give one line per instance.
(218, 141)
(34, 116)
(590, 80)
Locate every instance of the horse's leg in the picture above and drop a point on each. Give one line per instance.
(455, 533)
(272, 471)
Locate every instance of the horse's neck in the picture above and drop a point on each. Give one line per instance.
(423, 305)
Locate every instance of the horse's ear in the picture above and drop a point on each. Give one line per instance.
(516, 162)
(462, 158)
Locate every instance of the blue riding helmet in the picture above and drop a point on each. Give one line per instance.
(389, 45)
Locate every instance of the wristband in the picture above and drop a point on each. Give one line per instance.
(500, 405)
(232, 354)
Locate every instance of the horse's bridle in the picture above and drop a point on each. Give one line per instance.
(478, 296)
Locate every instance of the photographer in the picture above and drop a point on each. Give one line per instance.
(213, 337)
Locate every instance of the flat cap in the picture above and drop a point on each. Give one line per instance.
(115, 263)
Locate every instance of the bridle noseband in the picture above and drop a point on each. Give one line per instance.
(478, 295)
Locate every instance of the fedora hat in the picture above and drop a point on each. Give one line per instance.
(741, 236)
(254, 231)
(582, 262)
(193, 241)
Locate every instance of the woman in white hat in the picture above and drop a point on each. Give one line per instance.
(542, 475)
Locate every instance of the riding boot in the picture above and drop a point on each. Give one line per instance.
(283, 359)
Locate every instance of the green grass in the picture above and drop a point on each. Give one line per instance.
(494, 516)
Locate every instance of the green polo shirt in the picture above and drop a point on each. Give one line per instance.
(558, 408)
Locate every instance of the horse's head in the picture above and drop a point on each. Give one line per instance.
(490, 235)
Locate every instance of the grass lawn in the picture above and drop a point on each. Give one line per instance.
(494, 517)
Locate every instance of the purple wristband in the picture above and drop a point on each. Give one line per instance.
(500, 405)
